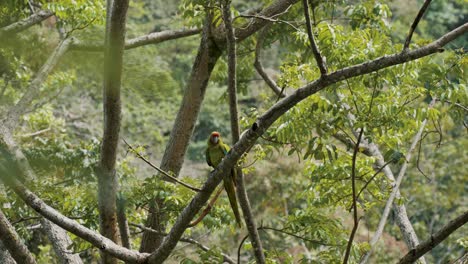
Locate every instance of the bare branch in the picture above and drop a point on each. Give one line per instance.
(353, 184)
(435, 239)
(172, 179)
(32, 92)
(25, 23)
(12, 242)
(259, 67)
(264, 121)
(315, 50)
(415, 23)
(207, 208)
(152, 38)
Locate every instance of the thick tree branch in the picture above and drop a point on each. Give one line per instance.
(264, 121)
(415, 23)
(61, 243)
(315, 50)
(435, 239)
(25, 23)
(12, 242)
(152, 38)
(107, 178)
(233, 111)
(259, 67)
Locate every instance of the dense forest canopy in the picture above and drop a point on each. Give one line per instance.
(347, 122)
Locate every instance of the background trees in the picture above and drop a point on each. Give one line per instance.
(316, 163)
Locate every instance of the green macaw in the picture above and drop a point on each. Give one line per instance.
(215, 152)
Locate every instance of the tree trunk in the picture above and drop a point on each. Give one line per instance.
(107, 178)
(184, 124)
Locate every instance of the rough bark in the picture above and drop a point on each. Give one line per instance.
(271, 115)
(107, 178)
(61, 243)
(5, 257)
(172, 160)
(435, 239)
(11, 241)
(123, 222)
(234, 116)
(25, 23)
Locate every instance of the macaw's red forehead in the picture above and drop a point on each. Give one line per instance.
(215, 134)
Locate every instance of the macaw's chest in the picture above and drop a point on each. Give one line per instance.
(216, 154)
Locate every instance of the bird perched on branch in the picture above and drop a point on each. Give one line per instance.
(215, 152)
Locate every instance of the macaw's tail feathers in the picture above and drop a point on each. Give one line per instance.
(231, 192)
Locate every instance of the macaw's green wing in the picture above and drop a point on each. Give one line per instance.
(207, 157)
(231, 192)
(225, 148)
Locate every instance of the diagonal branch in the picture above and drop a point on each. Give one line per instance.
(353, 184)
(152, 38)
(264, 121)
(415, 23)
(435, 239)
(25, 23)
(233, 111)
(313, 44)
(11, 241)
(171, 178)
(259, 67)
(32, 92)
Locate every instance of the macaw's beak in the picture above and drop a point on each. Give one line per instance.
(215, 139)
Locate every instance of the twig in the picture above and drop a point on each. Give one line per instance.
(259, 67)
(415, 23)
(353, 183)
(313, 44)
(160, 170)
(456, 104)
(184, 239)
(372, 178)
(33, 134)
(207, 209)
(435, 239)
